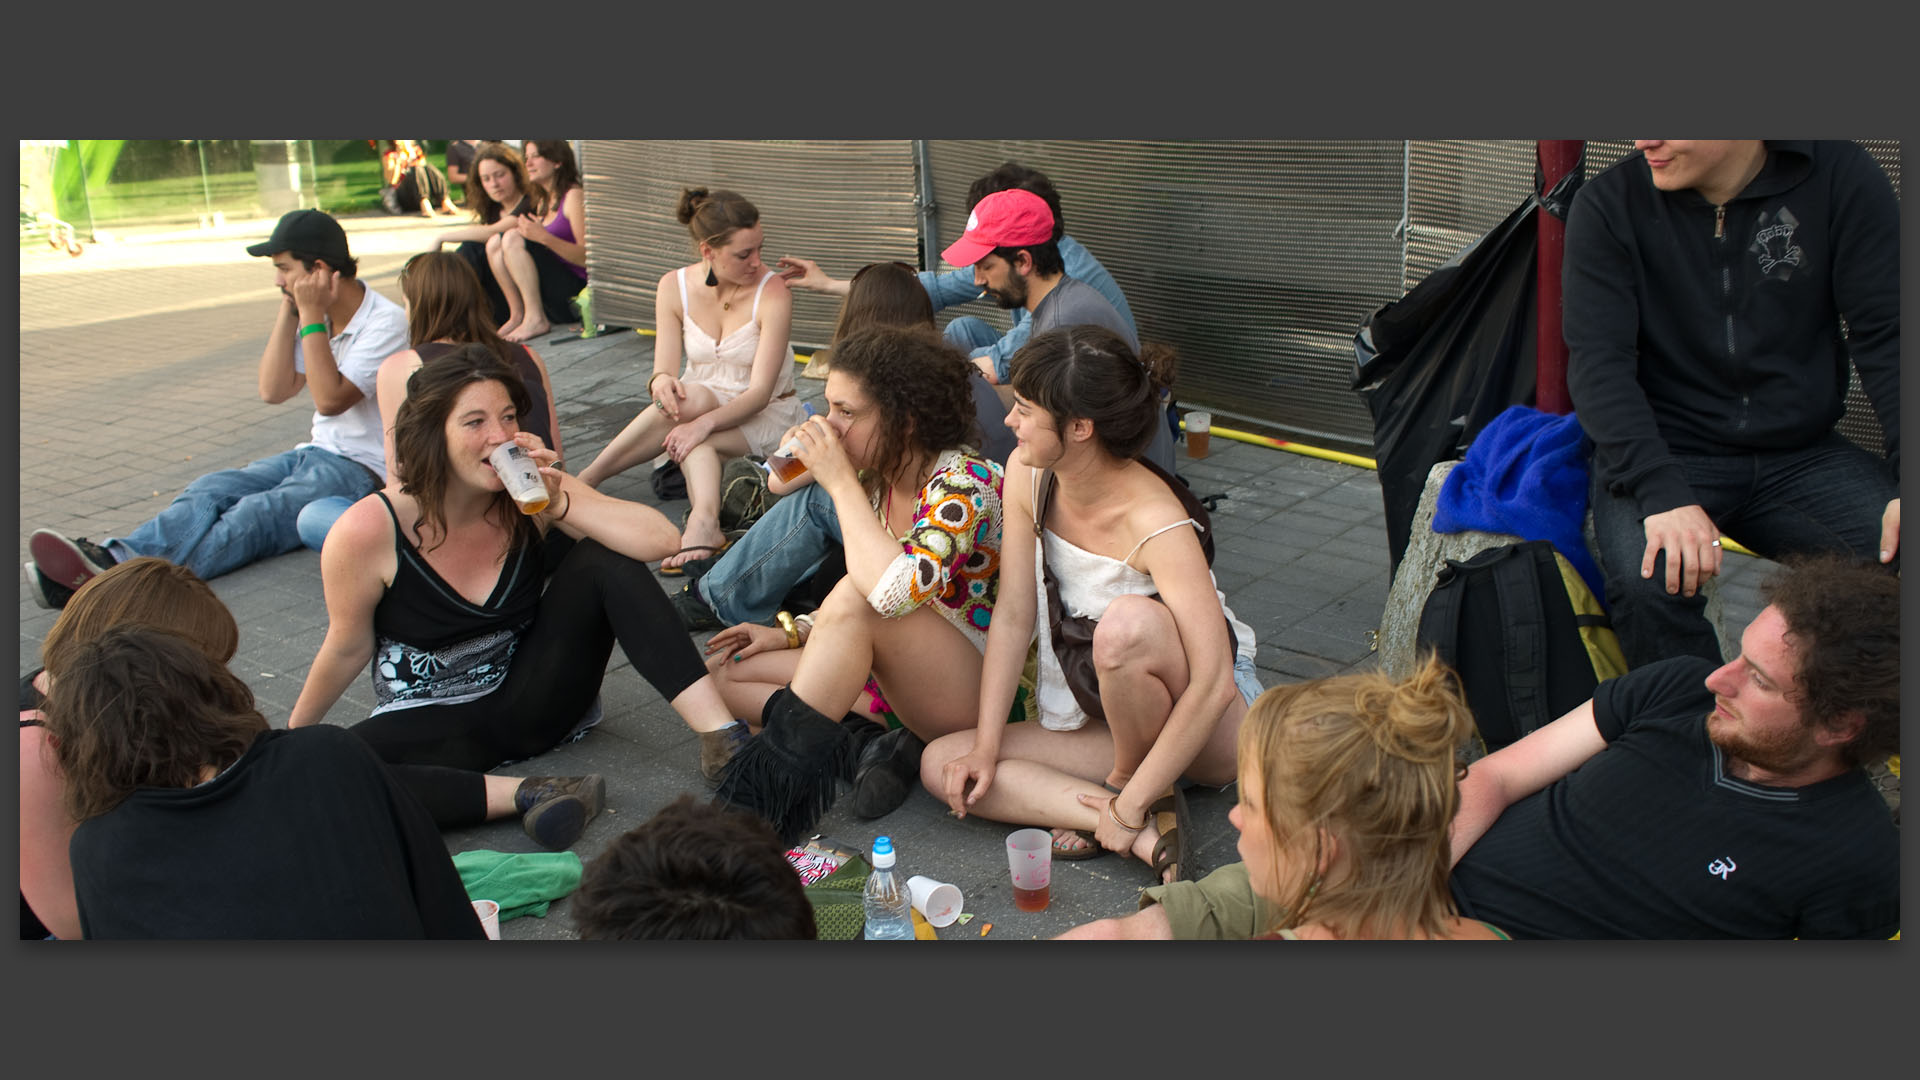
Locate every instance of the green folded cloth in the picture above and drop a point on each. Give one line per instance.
(522, 884)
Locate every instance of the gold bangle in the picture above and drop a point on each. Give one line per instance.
(1115, 815)
(793, 632)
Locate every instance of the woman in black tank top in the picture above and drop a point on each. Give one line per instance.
(445, 310)
(435, 583)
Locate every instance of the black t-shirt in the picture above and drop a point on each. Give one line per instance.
(306, 836)
(1651, 838)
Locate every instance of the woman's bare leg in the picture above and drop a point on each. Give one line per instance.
(702, 467)
(497, 260)
(526, 277)
(747, 684)
(704, 707)
(643, 437)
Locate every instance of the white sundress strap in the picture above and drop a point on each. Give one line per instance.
(755, 313)
(1164, 528)
(684, 313)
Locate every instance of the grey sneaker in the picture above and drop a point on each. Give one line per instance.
(68, 563)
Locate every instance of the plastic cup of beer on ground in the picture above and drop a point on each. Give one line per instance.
(1030, 859)
(521, 474)
(489, 913)
(1199, 433)
(937, 901)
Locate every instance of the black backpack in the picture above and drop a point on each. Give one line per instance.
(1503, 620)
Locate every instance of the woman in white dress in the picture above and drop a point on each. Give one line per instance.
(736, 395)
(1174, 668)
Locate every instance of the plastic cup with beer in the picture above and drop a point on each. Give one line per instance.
(1199, 433)
(782, 464)
(521, 474)
(1030, 860)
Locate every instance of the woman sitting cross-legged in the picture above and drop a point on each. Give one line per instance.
(438, 584)
(1160, 692)
(197, 820)
(1348, 788)
(902, 632)
(731, 322)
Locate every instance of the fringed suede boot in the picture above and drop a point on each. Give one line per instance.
(787, 774)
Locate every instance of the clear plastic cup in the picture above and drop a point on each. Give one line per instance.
(1030, 861)
(489, 913)
(521, 474)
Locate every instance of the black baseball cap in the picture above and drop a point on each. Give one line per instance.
(310, 231)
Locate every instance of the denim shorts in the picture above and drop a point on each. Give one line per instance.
(1245, 679)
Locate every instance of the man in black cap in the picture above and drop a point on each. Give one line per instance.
(329, 335)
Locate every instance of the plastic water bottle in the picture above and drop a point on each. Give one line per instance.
(889, 909)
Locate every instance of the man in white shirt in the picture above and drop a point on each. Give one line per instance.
(329, 336)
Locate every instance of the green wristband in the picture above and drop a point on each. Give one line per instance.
(313, 328)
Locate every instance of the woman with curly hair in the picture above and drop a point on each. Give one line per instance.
(902, 632)
(1348, 790)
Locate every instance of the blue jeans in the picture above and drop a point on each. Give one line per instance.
(317, 517)
(970, 332)
(227, 519)
(780, 551)
(1825, 498)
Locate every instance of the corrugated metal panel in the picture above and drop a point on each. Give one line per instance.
(841, 203)
(1256, 260)
(1457, 189)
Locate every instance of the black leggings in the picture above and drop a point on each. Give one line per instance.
(595, 597)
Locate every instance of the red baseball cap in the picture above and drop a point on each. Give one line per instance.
(1011, 218)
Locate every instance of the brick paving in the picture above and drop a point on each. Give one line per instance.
(137, 374)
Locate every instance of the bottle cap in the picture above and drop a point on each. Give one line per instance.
(882, 852)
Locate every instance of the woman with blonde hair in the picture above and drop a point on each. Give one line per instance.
(1348, 788)
(729, 318)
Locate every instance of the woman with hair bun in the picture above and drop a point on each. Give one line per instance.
(729, 318)
(1348, 789)
(1171, 668)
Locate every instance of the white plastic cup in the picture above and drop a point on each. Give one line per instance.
(1030, 861)
(936, 901)
(489, 913)
(1199, 433)
(521, 474)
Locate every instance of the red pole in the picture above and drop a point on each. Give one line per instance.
(1557, 158)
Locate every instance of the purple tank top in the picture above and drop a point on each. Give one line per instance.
(563, 229)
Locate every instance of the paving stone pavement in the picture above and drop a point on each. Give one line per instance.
(138, 372)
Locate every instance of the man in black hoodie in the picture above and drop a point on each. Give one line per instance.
(1706, 285)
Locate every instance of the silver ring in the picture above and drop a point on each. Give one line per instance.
(1716, 543)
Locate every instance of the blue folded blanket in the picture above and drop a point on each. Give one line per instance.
(1525, 474)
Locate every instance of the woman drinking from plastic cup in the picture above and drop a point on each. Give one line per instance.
(902, 632)
(438, 585)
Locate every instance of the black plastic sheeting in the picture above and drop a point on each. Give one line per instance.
(1436, 365)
